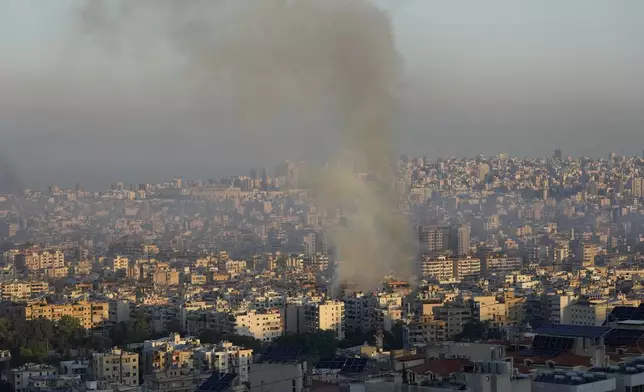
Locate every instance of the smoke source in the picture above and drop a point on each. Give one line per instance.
(323, 67)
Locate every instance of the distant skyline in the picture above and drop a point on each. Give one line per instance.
(521, 77)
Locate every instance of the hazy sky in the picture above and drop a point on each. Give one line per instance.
(488, 76)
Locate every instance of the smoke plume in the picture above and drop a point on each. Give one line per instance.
(9, 178)
(325, 67)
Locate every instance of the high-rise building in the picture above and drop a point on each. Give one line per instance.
(459, 239)
(433, 238)
(637, 187)
(309, 241)
(558, 154)
(325, 316)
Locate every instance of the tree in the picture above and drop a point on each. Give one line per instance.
(357, 338)
(472, 331)
(140, 329)
(69, 332)
(319, 343)
(173, 326)
(393, 340)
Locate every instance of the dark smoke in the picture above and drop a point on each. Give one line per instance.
(325, 68)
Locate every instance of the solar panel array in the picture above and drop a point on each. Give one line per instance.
(218, 382)
(572, 330)
(623, 337)
(622, 313)
(552, 343)
(282, 354)
(344, 365)
(354, 365)
(331, 364)
(537, 352)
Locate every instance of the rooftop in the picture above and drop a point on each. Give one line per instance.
(569, 378)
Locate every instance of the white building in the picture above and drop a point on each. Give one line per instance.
(264, 325)
(325, 316)
(559, 381)
(226, 358)
(20, 376)
(277, 377)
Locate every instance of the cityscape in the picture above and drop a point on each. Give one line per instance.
(536, 261)
(321, 196)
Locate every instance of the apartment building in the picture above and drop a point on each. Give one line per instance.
(225, 358)
(116, 365)
(455, 316)
(500, 265)
(90, 314)
(119, 263)
(262, 324)
(434, 238)
(424, 331)
(359, 312)
(325, 316)
(440, 268)
(34, 260)
(16, 291)
(20, 376)
(467, 268)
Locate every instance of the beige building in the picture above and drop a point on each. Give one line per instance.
(90, 314)
(514, 307)
(439, 268)
(13, 291)
(325, 316)
(119, 263)
(468, 267)
(489, 309)
(425, 331)
(264, 325)
(455, 316)
(36, 260)
(116, 366)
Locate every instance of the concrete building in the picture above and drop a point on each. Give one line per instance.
(467, 268)
(459, 239)
(16, 290)
(628, 378)
(225, 358)
(264, 325)
(559, 381)
(116, 365)
(174, 380)
(455, 316)
(20, 376)
(90, 314)
(359, 312)
(433, 238)
(440, 268)
(278, 377)
(500, 265)
(425, 331)
(40, 259)
(325, 316)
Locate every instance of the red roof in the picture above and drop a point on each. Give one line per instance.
(321, 386)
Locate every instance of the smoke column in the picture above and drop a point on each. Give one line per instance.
(325, 67)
